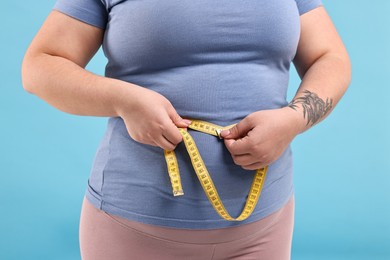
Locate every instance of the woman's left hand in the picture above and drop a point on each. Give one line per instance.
(261, 137)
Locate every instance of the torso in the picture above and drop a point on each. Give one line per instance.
(216, 61)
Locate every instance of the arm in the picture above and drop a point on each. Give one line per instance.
(53, 69)
(323, 64)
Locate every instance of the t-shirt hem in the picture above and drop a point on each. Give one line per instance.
(96, 200)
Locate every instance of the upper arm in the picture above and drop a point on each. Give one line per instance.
(318, 38)
(64, 36)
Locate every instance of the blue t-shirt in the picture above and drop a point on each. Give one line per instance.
(216, 61)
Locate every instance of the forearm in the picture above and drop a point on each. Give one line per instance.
(322, 86)
(72, 89)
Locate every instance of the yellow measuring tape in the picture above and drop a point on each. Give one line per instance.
(203, 174)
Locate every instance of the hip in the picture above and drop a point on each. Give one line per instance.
(108, 236)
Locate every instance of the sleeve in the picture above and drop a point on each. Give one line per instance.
(93, 12)
(305, 6)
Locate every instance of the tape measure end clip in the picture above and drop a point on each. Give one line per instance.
(178, 193)
(219, 133)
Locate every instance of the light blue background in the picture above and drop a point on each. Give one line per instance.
(342, 166)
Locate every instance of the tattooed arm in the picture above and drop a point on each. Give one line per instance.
(324, 67)
(323, 64)
(314, 108)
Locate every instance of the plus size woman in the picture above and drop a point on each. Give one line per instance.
(170, 63)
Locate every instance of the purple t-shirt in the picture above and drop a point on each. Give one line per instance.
(213, 60)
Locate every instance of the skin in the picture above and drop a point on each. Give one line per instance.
(55, 72)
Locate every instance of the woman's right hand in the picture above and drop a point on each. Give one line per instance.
(151, 119)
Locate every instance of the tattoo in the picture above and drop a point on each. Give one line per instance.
(314, 108)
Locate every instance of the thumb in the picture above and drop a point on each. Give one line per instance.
(237, 131)
(178, 120)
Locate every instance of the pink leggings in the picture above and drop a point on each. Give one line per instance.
(109, 237)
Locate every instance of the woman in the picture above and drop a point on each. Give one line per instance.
(170, 63)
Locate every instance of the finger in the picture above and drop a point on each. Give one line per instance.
(244, 159)
(172, 134)
(254, 166)
(238, 147)
(238, 130)
(177, 119)
(165, 144)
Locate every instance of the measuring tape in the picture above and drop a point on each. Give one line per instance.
(204, 176)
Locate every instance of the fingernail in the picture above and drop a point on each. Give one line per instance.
(187, 121)
(225, 132)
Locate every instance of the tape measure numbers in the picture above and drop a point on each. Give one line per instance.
(204, 176)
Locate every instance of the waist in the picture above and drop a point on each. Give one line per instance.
(132, 180)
